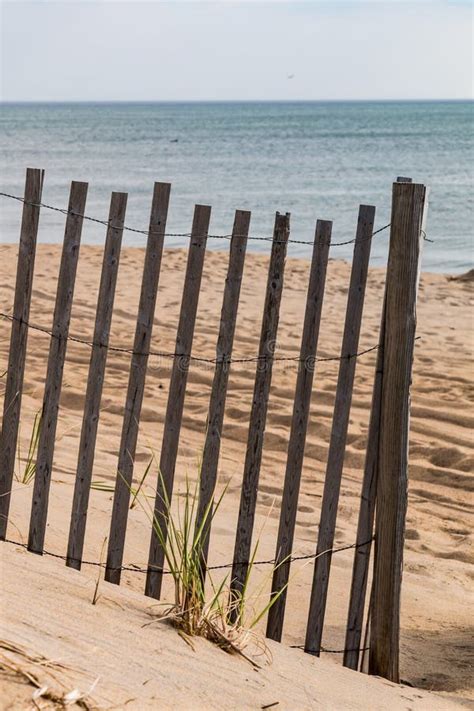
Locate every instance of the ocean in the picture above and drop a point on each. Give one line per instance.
(312, 159)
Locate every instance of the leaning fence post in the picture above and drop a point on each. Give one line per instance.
(174, 410)
(408, 201)
(299, 425)
(95, 378)
(55, 369)
(339, 430)
(258, 415)
(139, 364)
(365, 525)
(18, 339)
(215, 417)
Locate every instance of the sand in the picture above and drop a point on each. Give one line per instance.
(49, 604)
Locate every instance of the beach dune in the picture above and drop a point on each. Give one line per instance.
(49, 604)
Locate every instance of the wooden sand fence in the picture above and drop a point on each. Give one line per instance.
(383, 497)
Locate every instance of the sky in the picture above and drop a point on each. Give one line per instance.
(105, 50)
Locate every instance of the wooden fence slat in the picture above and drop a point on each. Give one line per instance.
(173, 416)
(408, 211)
(365, 525)
(253, 457)
(56, 358)
(337, 445)
(18, 339)
(136, 382)
(299, 424)
(95, 380)
(215, 418)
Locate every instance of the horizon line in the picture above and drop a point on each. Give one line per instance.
(234, 101)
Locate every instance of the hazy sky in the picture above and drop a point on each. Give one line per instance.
(108, 50)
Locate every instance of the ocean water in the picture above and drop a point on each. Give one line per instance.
(314, 160)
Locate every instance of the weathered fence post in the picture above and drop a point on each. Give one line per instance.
(365, 525)
(299, 425)
(18, 339)
(215, 417)
(137, 377)
(408, 203)
(56, 359)
(340, 424)
(258, 415)
(95, 378)
(175, 404)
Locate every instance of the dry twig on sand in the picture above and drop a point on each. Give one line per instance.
(96, 596)
(47, 676)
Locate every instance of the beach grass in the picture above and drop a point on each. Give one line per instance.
(26, 473)
(199, 609)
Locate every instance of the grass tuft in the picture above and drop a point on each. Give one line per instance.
(106, 486)
(30, 463)
(228, 619)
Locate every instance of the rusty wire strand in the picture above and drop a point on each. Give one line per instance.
(184, 357)
(136, 230)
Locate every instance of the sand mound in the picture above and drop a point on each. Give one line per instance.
(151, 667)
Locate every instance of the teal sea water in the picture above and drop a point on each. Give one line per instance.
(315, 160)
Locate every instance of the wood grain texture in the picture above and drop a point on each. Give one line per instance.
(56, 358)
(138, 367)
(95, 380)
(408, 208)
(299, 424)
(365, 525)
(175, 405)
(258, 414)
(18, 339)
(225, 340)
(340, 423)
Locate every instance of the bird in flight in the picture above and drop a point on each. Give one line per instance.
(290, 76)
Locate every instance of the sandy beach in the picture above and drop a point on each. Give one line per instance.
(47, 606)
